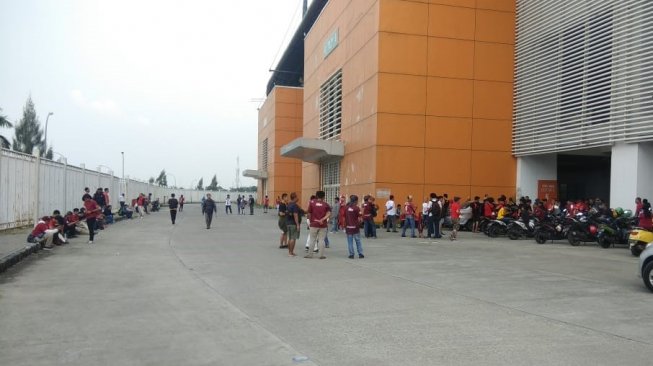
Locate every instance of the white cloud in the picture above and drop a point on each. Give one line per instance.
(103, 105)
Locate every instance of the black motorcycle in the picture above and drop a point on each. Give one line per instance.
(614, 231)
(583, 228)
(519, 229)
(552, 227)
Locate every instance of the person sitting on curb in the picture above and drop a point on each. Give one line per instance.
(42, 235)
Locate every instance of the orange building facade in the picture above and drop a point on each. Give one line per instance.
(279, 122)
(424, 98)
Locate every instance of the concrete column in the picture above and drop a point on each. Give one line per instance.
(631, 174)
(530, 169)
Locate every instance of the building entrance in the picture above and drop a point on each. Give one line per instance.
(583, 176)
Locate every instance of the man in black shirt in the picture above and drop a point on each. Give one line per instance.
(208, 209)
(283, 223)
(173, 203)
(251, 204)
(293, 222)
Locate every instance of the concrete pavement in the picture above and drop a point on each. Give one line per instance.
(148, 293)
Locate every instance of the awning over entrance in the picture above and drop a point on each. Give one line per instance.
(256, 174)
(313, 150)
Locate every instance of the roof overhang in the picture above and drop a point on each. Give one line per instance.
(313, 150)
(256, 174)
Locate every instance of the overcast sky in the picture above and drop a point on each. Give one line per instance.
(170, 83)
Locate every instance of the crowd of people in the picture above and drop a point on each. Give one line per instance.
(95, 214)
(425, 221)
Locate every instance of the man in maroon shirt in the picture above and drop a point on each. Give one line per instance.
(43, 234)
(318, 215)
(92, 213)
(352, 227)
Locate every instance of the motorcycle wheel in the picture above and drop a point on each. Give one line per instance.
(514, 233)
(604, 242)
(647, 275)
(493, 231)
(636, 250)
(541, 237)
(573, 239)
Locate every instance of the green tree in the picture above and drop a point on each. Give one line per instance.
(28, 133)
(200, 184)
(151, 180)
(4, 123)
(49, 153)
(162, 180)
(214, 184)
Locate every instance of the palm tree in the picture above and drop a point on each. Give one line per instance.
(4, 143)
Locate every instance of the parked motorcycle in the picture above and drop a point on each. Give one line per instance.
(519, 229)
(614, 231)
(497, 228)
(638, 240)
(552, 228)
(583, 228)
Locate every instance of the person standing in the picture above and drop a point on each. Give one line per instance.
(336, 215)
(182, 200)
(173, 204)
(140, 202)
(98, 197)
(266, 204)
(227, 206)
(477, 211)
(208, 210)
(92, 211)
(251, 204)
(455, 217)
(391, 211)
(283, 221)
(122, 201)
(409, 209)
(319, 213)
(238, 203)
(107, 197)
(293, 222)
(352, 227)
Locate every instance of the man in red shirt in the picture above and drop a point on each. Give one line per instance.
(43, 234)
(318, 214)
(409, 209)
(455, 217)
(92, 212)
(352, 227)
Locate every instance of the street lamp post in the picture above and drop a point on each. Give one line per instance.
(46, 130)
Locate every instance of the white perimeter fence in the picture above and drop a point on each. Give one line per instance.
(32, 187)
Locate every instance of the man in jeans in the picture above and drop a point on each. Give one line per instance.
(409, 208)
(318, 214)
(336, 211)
(352, 227)
(391, 212)
(208, 209)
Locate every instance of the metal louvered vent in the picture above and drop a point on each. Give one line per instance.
(583, 74)
(330, 172)
(331, 107)
(264, 155)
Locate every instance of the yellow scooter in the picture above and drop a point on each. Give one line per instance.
(638, 240)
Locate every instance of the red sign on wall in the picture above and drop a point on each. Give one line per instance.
(547, 188)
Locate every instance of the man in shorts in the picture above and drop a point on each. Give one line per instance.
(293, 222)
(283, 221)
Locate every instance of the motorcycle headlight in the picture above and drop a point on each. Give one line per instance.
(559, 228)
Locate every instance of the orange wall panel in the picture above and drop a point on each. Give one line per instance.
(359, 136)
(494, 61)
(492, 100)
(399, 164)
(358, 167)
(404, 94)
(492, 135)
(447, 166)
(448, 133)
(451, 22)
(402, 53)
(450, 97)
(399, 16)
(400, 129)
(495, 26)
(496, 169)
(452, 58)
(360, 104)
(501, 5)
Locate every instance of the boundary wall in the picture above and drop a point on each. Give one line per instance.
(31, 187)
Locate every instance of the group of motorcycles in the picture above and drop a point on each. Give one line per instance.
(619, 228)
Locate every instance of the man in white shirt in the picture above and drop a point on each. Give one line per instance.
(122, 200)
(391, 212)
(227, 205)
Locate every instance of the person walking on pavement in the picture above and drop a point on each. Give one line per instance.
(266, 203)
(352, 227)
(92, 211)
(319, 213)
(208, 209)
(182, 200)
(173, 203)
(391, 212)
(455, 217)
(283, 221)
(251, 204)
(293, 223)
(238, 203)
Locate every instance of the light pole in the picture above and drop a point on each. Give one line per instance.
(123, 165)
(46, 130)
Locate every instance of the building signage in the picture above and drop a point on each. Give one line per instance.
(547, 189)
(331, 43)
(383, 193)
